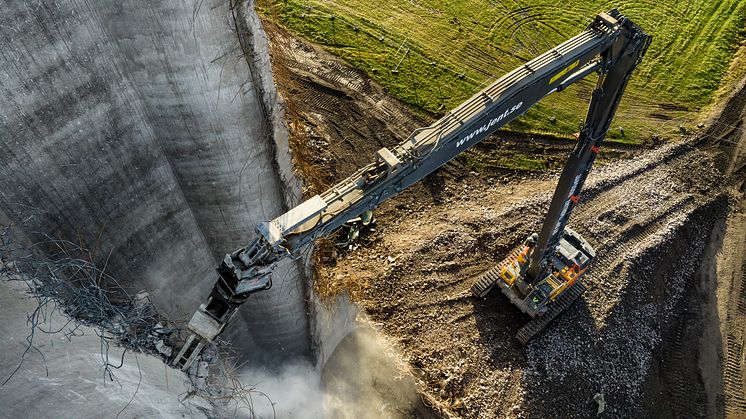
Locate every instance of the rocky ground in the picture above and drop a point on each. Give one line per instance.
(658, 219)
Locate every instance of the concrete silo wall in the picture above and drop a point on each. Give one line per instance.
(148, 131)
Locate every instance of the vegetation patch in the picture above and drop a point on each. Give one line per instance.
(433, 54)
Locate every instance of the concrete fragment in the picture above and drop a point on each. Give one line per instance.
(599, 399)
(164, 349)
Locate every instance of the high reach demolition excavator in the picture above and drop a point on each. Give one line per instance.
(541, 277)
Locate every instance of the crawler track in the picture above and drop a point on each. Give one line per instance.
(735, 359)
(536, 326)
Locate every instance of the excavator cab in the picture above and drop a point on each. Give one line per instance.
(558, 288)
(573, 250)
(572, 257)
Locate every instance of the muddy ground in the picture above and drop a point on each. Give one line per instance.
(660, 331)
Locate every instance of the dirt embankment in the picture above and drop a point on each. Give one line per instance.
(651, 219)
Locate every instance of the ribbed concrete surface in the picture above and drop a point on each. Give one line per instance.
(137, 127)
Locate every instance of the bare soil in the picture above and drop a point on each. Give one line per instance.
(660, 331)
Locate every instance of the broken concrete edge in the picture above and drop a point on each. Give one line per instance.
(157, 340)
(255, 46)
(159, 344)
(61, 364)
(329, 323)
(72, 284)
(213, 380)
(219, 388)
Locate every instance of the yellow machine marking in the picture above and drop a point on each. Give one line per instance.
(556, 292)
(563, 72)
(511, 266)
(508, 275)
(557, 285)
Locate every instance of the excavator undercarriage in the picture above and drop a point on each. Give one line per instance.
(559, 287)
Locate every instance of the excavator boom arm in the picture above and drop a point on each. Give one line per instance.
(597, 49)
(619, 62)
(429, 148)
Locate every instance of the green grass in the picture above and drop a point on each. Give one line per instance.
(485, 163)
(457, 47)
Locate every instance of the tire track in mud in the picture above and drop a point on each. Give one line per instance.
(734, 364)
(735, 404)
(726, 135)
(686, 403)
(742, 293)
(681, 391)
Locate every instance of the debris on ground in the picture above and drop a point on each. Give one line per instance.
(648, 212)
(599, 399)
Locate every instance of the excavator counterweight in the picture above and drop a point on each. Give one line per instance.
(542, 277)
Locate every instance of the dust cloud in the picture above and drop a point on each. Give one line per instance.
(294, 391)
(364, 378)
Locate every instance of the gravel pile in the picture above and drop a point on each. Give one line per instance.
(648, 219)
(613, 358)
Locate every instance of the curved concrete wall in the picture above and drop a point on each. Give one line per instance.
(69, 380)
(141, 128)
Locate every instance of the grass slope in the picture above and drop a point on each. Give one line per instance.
(444, 51)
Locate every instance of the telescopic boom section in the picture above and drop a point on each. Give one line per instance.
(604, 44)
(618, 63)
